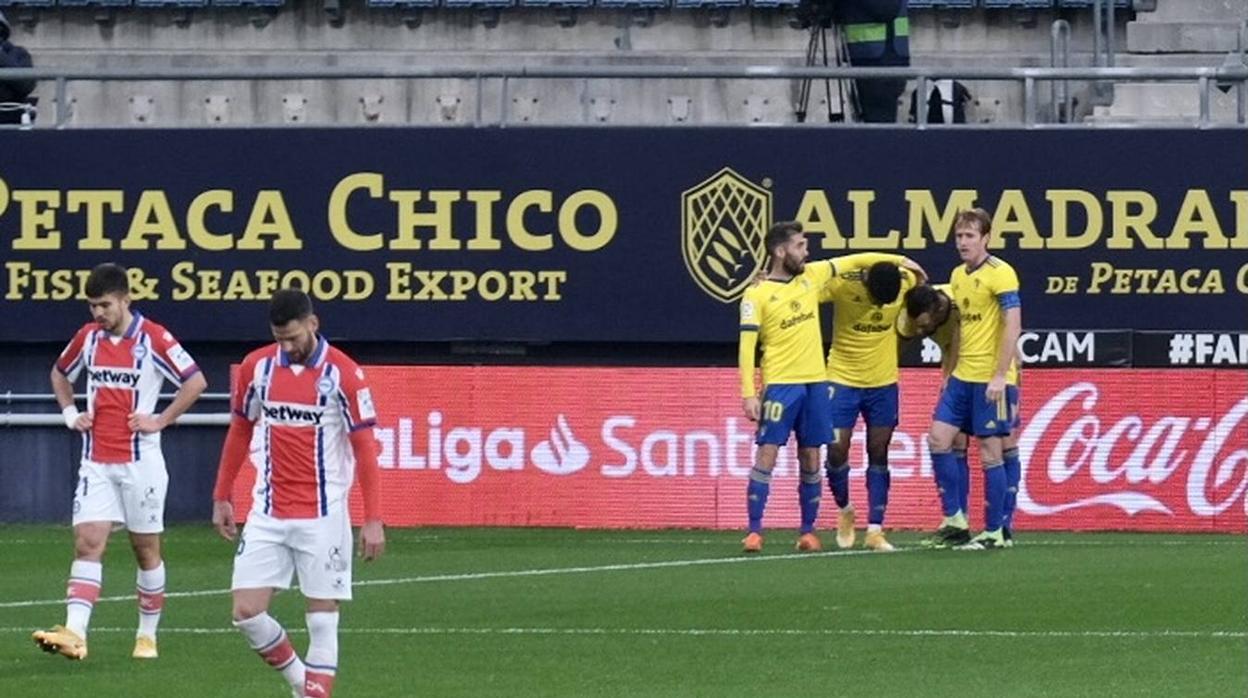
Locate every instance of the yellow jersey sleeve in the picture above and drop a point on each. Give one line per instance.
(748, 342)
(863, 260)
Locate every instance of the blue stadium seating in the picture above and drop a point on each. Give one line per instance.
(1082, 4)
(403, 3)
(1029, 4)
(956, 4)
(167, 3)
(783, 4)
(556, 3)
(635, 4)
(248, 3)
(26, 3)
(478, 3)
(695, 4)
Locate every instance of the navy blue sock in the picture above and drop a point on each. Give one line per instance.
(964, 481)
(945, 468)
(1013, 473)
(838, 483)
(878, 480)
(809, 493)
(994, 495)
(756, 497)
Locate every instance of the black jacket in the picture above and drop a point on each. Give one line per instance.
(13, 56)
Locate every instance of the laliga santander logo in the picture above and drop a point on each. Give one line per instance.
(1153, 453)
(464, 452)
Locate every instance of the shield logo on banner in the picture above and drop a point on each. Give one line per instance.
(724, 219)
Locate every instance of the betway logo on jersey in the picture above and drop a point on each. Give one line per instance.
(115, 377)
(292, 415)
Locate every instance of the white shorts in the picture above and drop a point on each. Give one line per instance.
(132, 494)
(271, 550)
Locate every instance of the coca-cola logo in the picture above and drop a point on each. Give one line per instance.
(1074, 456)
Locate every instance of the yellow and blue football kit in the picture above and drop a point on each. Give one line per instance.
(783, 317)
(982, 296)
(862, 362)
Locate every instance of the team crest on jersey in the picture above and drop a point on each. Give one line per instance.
(139, 352)
(723, 221)
(795, 306)
(325, 385)
(877, 316)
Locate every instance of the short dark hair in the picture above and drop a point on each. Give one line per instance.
(977, 216)
(779, 234)
(287, 305)
(921, 299)
(884, 282)
(107, 278)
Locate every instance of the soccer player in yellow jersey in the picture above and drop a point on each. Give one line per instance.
(931, 312)
(977, 398)
(781, 314)
(862, 371)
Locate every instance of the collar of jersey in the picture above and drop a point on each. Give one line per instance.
(135, 320)
(318, 354)
(977, 266)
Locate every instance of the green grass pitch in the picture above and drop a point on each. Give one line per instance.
(523, 612)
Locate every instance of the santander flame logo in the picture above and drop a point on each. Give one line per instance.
(562, 454)
(1073, 457)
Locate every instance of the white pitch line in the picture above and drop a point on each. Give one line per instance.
(1025, 542)
(734, 632)
(473, 576)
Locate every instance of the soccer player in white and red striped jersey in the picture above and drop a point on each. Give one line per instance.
(122, 477)
(303, 416)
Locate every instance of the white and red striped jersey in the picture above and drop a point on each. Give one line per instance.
(124, 375)
(304, 415)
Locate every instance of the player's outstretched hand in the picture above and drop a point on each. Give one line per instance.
(372, 540)
(223, 520)
(145, 423)
(753, 408)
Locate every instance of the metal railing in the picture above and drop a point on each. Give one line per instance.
(54, 419)
(1206, 78)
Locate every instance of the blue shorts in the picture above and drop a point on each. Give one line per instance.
(965, 406)
(803, 408)
(878, 406)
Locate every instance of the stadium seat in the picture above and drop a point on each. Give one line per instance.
(635, 4)
(246, 3)
(403, 3)
(770, 4)
(1087, 4)
(478, 3)
(556, 3)
(1027, 4)
(26, 3)
(954, 4)
(167, 3)
(694, 4)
